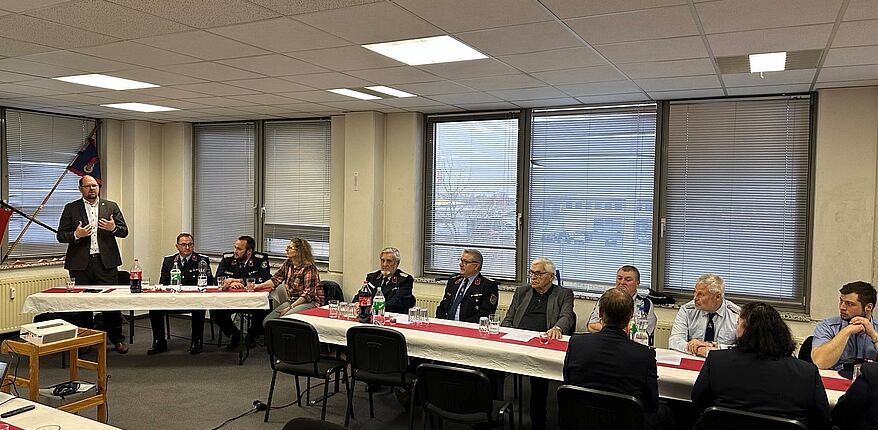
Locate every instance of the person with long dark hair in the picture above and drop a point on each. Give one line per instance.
(760, 374)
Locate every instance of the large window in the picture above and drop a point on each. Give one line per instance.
(591, 191)
(471, 193)
(280, 194)
(39, 147)
(736, 196)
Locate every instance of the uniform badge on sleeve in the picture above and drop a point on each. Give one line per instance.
(393, 280)
(477, 281)
(493, 299)
(264, 264)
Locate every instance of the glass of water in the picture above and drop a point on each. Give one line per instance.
(423, 317)
(144, 283)
(333, 308)
(251, 284)
(494, 324)
(484, 326)
(544, 338)
(71, 284)
(414, 315)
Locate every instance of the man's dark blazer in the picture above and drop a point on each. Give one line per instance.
(397, 292)
(188, 269)
(480, 299)
(608, 360)
(786, 387)
(858, 408)
(78, 249)
(559, 308)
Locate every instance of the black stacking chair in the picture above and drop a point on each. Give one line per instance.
(805, 349)
(589, 409)
(717, 418)
(458, 395)
(377, 355)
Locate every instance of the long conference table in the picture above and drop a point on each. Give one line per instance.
(520, 351)
(44, 417)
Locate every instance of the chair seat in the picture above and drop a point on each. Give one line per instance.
(390, 379)
(324, 365)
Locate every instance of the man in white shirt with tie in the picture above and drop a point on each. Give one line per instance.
(707, 322)
(468, 295)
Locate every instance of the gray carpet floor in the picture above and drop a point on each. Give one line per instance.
(176, 390)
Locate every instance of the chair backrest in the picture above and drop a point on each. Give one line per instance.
(292, 341)
(454, 393)
(582, 408)
(331, 290)
(718, 418)
(304, 423)
(123, 277)
(805, 349)
(376, 349)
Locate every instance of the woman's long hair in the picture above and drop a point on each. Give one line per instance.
(765, 333)
(304, 255)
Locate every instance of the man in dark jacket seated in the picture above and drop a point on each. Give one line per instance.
(396, 285)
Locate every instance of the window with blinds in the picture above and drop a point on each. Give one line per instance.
(471, 193)
(39, 147)
(297, 185)
(737, 196)
(591, 192)
(225, 167)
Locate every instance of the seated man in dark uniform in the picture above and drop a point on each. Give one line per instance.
(469, 295)
(187, 261)
(396, 285)
(236, 266)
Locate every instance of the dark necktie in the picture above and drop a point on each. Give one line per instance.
(458, 298)
(710, 331)
(383, 284)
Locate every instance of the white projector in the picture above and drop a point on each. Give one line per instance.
(49, 331)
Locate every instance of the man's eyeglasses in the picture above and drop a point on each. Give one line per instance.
(536, 274)
(186, 245)
(462, 261)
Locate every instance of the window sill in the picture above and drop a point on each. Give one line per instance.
(26, 265)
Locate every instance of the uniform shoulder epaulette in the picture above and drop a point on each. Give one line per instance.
(689, 306)
(733, 307)
(259, 255)
(404, 275)
(170, 255)
(228, 255)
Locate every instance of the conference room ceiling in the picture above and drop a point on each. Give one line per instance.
(219, 60)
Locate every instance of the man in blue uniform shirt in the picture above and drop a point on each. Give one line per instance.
(708, 322)
(850, 336)
(236, 266)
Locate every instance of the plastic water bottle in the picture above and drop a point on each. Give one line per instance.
(364, 298)
(378, 307)
(176, 275)
(136, 277)
(202, 273)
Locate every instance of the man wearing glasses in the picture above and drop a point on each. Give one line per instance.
(541, 306)
(187, 261)
(468, 295)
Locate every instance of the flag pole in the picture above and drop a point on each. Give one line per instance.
(48, 195)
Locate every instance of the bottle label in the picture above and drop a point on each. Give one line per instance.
(365, 300)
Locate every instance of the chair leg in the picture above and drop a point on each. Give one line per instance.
(270, 393)
(211, 330)
(168, 323)
(412, 406)
(349, 412)
(308, 391)
(325, 396)
(518, 394)
(371, 407)
(298, 393)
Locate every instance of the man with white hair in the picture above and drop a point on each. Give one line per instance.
(708, 322)
(396, 285)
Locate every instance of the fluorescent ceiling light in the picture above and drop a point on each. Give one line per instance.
(140, 107)
(354, 94)
(770, 62)
(429, 50)
(390, 91)
(104, 81)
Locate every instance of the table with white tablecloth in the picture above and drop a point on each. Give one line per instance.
(43, 416)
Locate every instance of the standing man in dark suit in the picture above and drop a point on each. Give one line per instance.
(187, 261)
(469, 295)
(541, 306)
(396, 285)
(89, 227)
(608, 360)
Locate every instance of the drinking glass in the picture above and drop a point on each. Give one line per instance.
(333, 308)
(423, 317)
(219, 281)
(494, 324)
(144, 284)
(544, 338)
(414, 315)
(71, 284)
(483, 326)
(251, 284)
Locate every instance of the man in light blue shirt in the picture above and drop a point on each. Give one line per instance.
(707, 322)
(851, 335)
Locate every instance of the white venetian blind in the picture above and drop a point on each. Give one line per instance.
(297, 162)
(737, 195)
(224, 185)
(591, 192)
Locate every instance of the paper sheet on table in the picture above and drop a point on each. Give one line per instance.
(521, 336)
(668, 356)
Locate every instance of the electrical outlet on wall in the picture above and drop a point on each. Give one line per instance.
(11, 293)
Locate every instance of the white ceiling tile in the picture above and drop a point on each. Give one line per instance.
(852, 56)
(26, 5)
(503, 82)
(654, 50)
(518, 39)
(14, 77)
(679, 83)
(487, 106)
(580, 75)
(658, 23)
(469, 69)
(355, 105)
(576, 8)
(557, 59)
(92, 15)
(440, 109)
(281, 35)
(770, 40)
(685, 94)
(220, 111)
(167, 92)
(394, 75)
(273, 65)
(278, 110)
(848, 73)
(269, 85)
(155, 76)
(17, 88)
(599, 88)
(848, 84)
(664, 69)
(410, 102)
(455, 16)
(547, 103)
(465, 98)
(716, 17)
(201, 44)
(325, 81)
(345, 58)
(856, 33)
(215, 89)
(316, 96)
(136, 53)
(433, 88)
(210, 71)
(768, 89)
(368, 23)
(14, 48)
(79, 61)
(613, 98)
(35, 69)
(769, 78)
(200, 13)
(297, 7)
(528, 94)
(861, 9)
(221, 102)
(180, 104)
(59, 86)
(42, 32)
